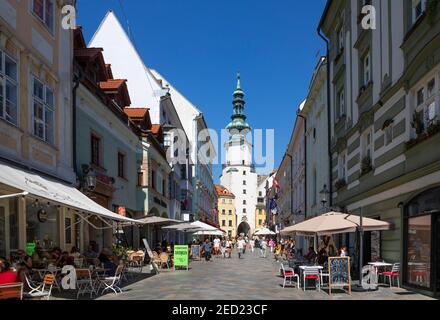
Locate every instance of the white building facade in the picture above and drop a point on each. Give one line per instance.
(317, 169)
(238, 174)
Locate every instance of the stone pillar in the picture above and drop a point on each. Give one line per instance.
(62, 227)
(22, 223)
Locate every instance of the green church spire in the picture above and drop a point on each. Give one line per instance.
(238, 123)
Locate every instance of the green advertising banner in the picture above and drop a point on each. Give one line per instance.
(181, 256)
(30, 248)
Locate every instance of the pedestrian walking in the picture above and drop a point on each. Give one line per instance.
(271, 245)
(252, 244)
(241, 244)
(263, 248)
(228, 248)
(207, 247)
(216, 246)
(223, 248)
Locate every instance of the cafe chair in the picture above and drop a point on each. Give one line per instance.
(11, 291)
(323, 273)
(420, 272)
(289, 273)
(84, 282)
(111, 283)
(42, 291)
(164, 259)
(312, 274)
(156, 258)
(394, 273)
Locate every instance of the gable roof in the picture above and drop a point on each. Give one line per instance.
(223, 192)
(126, 63)
(136, 113)
(112, 84)
(156, 129)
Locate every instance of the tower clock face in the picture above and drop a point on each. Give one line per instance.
(243, 147)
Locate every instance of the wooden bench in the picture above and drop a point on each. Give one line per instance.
(11, 291)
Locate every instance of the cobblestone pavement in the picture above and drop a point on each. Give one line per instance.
(250, 278)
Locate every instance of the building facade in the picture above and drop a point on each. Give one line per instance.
(226, 211)
(260, 209)
(291, 178)
(384, 98)
(317, 168)
(40, 206)
(239, 174)
(106, 142)
(35, 108)
(150, 89)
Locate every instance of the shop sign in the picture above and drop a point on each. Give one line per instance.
(181, 256)
(42, 215)
(30, 248)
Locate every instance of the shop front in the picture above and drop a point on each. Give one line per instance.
(46, 213)
(421, 267)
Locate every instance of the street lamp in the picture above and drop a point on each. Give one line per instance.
(89, 178)
(324, 193)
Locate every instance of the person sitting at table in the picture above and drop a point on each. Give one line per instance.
(25, 269)
(65, 260)
(7, 275)
(311, 255)
(74, 252)
(331, 251)
(343, 252)
(90, 253)
(106, 262)
(322, 256)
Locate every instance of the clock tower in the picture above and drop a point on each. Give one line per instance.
(238, 174)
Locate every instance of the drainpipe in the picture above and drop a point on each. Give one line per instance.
(305, 163)
(328, 118)
(76, 82)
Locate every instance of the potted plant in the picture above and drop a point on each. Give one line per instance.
(120, 251)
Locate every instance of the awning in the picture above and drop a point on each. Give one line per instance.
(54, 191)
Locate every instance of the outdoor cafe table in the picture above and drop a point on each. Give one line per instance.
(378, 265)
(302, 268)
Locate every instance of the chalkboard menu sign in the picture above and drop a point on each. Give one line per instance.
(339, 273)
(195, 252)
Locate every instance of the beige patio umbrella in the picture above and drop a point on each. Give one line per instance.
(264, 232)
(334, 223)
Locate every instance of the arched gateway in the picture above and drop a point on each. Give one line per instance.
(245, 229)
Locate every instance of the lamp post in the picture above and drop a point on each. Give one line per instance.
(89, 178)
(324, 193)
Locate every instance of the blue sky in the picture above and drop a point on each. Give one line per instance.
(199, 46)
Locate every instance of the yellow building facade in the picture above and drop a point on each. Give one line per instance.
(227, 217)
(260, 216)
